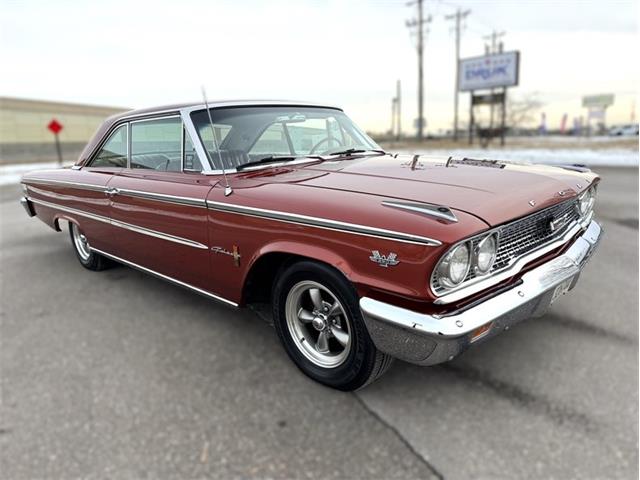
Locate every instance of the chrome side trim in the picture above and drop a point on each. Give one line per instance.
(490, 280)
(436, 211)
(323, 223)
(165, 277)
(126, 226)
(82, 213)
(82, 186)
(163, 197)
(160, 235)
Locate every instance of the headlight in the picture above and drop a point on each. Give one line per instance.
(486, 254)
(586, 201)
(454, 266)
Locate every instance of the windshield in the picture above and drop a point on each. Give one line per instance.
(249, 134)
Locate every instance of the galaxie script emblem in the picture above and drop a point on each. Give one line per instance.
(384, 261)
(235, 254)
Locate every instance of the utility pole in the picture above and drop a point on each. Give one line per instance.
(458, 17)
(418, 24)
(392, 130)
(398, 110)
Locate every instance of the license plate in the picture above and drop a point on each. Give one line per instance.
(561, 289)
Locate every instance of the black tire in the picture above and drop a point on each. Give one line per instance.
(88, 259)
(364, 363)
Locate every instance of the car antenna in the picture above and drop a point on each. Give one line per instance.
(227, 189)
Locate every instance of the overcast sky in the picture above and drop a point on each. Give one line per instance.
(348, 53)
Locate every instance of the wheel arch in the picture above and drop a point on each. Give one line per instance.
(67, 218)
(269, 261)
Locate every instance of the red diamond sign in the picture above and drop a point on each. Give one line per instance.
(54, 126)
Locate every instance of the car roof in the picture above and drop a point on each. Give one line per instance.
(215, 104)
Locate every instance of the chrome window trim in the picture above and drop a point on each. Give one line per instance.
(487, 281)
(197, 144)
(182, 134)
(165, 277)
(323, 223)
(124, 225)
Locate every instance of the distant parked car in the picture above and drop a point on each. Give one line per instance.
(624, 130)
(365, 256)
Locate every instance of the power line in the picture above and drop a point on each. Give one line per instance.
(458, 17)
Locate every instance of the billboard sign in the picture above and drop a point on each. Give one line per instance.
(597, 101)
(489, 71)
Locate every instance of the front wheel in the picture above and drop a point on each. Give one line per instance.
(318, 320)
(87, 257)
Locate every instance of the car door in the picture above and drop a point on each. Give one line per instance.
(85, 190)
(158, 207)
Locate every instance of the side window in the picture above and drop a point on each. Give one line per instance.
(157, 144)
(114, 151)
(191, 161)
(272, 141)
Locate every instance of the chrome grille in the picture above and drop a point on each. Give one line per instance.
(525, 235)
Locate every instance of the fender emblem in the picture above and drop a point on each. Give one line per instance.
(556, 224)
(384, 261)
(235, 254)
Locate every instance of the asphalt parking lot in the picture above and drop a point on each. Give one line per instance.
(119, 375)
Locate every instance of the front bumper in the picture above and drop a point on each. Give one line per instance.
(430, 339)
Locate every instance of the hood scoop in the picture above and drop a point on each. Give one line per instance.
(439, 212)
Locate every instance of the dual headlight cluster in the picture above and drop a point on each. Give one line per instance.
(480, 254)
(455, 265)
(586, 201)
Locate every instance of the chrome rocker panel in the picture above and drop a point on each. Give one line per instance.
(429, 339)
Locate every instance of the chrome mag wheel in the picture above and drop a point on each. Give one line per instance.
(80, 242)
(318, 323)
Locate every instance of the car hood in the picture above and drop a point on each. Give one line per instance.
(493, 191)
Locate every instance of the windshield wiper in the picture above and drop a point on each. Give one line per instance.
(272, 159)
(351, 151)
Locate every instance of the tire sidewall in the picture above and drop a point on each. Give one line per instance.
(356, 368)
(93, 262)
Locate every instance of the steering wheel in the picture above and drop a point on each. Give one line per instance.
(325, 140)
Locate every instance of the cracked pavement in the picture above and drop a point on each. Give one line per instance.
(120, 375)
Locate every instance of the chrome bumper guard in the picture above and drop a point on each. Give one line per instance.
(431, 339)
(28, 206)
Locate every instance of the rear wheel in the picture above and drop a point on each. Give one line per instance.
(87, 257)
(318, 320)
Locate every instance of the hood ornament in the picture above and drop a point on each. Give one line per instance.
(384, 261)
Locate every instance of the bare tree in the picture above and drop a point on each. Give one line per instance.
(523, 110)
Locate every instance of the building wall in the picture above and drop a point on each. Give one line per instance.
(24, 136)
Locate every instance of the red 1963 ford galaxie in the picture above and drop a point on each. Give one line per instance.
(365, 256)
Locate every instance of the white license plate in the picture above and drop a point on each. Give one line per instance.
(561, 289)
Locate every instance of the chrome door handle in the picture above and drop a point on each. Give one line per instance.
(112, 191)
